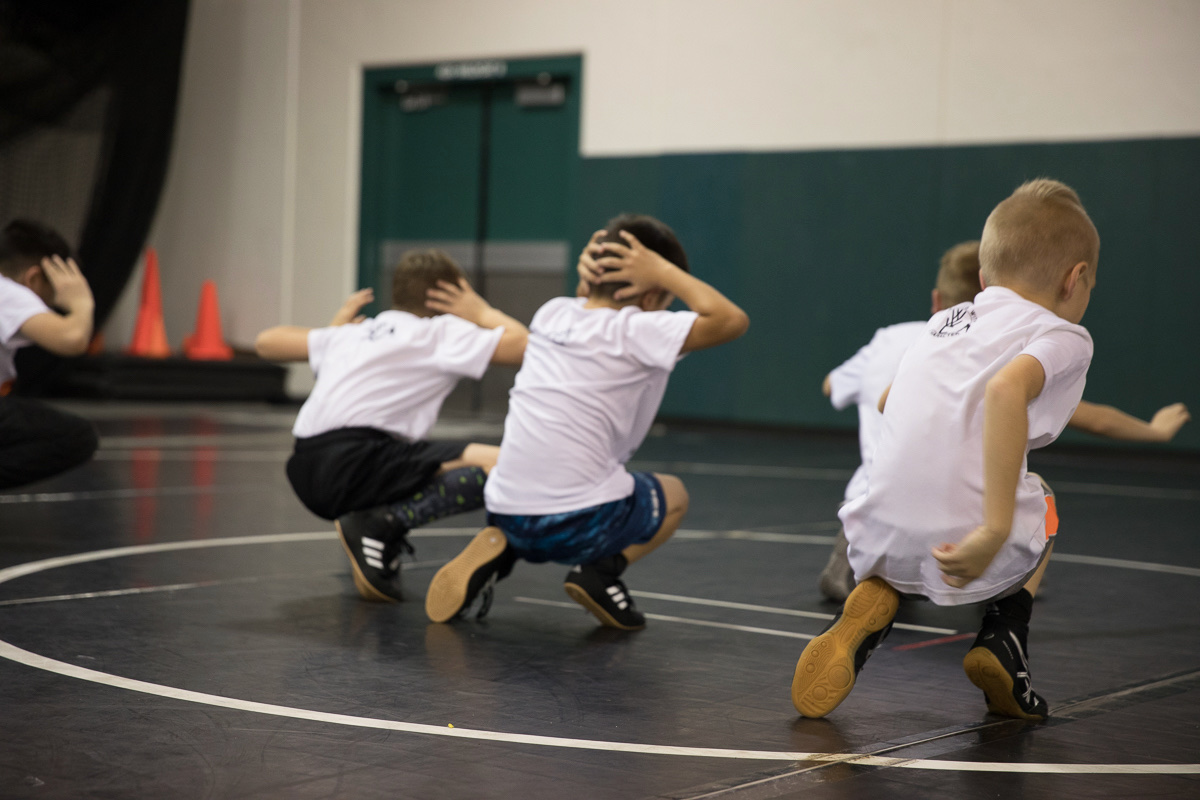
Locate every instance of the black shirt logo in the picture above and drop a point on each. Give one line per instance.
(958, 320)
(376, 329)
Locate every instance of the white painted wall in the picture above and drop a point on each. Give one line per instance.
(262, 192)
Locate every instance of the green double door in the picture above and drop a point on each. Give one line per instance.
(478, 159)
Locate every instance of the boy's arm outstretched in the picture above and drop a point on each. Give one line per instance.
(1005, 434)
(1116, 424)
(290, 342)
(719, 319)
(463, 301)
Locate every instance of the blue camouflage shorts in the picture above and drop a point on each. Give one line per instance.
(584, 536)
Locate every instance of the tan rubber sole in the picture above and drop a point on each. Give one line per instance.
(365, 589)
(987, 673)
(584, 599)
(448, 589)
(825, 672)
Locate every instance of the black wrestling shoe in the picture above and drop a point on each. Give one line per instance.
(375, 539)
(830, 664)
(597, 588)
(471, 574)
(997, 664)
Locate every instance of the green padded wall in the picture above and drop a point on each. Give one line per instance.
(822, 248)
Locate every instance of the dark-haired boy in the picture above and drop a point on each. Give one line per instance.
(360, 456)
(983, 384)
(38, 273)
(594, 375)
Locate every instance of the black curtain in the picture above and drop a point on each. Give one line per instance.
(61, 63)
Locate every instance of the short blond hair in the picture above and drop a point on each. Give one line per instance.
(1036, 234)
(958, 275)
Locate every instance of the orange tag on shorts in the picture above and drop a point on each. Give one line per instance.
(1051, 517)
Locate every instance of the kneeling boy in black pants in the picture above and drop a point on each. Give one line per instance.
(360, 456)
(36, 274)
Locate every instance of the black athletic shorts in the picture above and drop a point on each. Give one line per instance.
(350, 469)
(38, 441)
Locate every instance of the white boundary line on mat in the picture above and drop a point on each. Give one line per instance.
(18, 655)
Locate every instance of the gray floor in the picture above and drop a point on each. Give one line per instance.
(202, 639)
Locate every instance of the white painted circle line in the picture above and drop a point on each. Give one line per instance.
(13, 653)
(20, 656)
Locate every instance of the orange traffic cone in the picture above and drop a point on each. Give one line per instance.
(206, 343)
(149, 333)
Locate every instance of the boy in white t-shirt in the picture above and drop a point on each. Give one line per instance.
(594, 375)
(862, 379)
(360, 456)
(37, 273)
(951, 512)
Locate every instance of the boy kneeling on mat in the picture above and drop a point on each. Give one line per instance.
(862, 379)
(360, 455)
(951, 512)
(593, 377)
(38, 277)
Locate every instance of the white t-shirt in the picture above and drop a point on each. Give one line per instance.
(583, 401)
(391, 372)
(925, 487)
(861, 380)
(17, 304)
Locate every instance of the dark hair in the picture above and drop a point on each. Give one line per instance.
(652, 233)
(418, 272)
(25, 243)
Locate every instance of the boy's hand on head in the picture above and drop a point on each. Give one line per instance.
(964, 562)
(348, 313)
(458, 299)
(71, 290)
(634, 263)
(1167, 421)
(589, 272)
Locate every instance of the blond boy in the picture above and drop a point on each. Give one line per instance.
(863, 378)
(984, 384)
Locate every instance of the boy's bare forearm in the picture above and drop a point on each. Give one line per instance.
(283, 343)
(1005, 432)
(1108, 421)
(65, 335)
(80, 321)
(720, 319)
(697, 295)
(493, 317)
(348, 313)
(1114, 423)
(1005, 436)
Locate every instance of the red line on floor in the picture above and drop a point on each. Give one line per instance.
(958, 637)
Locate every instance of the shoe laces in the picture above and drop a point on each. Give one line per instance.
(398, 549)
